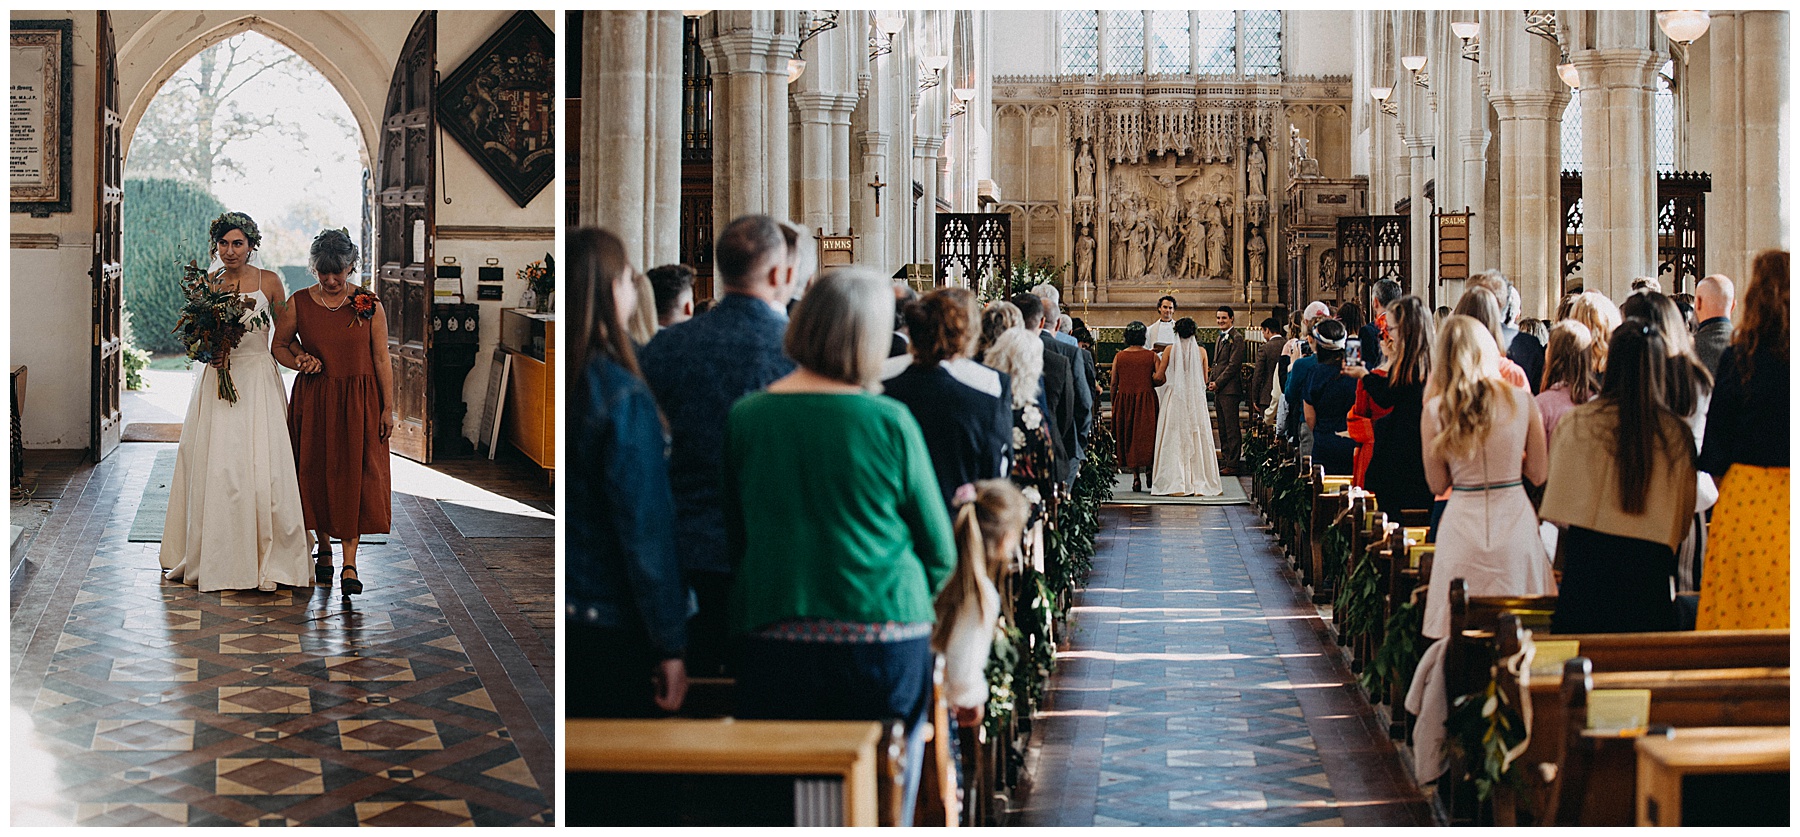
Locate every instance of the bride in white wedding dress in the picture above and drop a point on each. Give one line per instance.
(1186, 463)
(234, 520)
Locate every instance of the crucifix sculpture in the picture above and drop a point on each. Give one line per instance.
(877, 185)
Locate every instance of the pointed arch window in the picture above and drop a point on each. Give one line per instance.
(1238, 44)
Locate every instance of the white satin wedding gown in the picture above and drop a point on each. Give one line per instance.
(1186, 463)
(234, 520)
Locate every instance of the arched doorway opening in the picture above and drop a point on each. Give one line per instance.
(246, 116)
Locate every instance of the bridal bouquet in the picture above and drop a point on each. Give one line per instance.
(212, 322)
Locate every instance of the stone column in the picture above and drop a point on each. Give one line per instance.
(1618, 161)
(1747, 210)
(631, 148)
(824, 192)
(1531, 194)
(748, 51)
(925, 170)
(872, 249)
(1474, 187)
(1529, 100)
(1424, 257)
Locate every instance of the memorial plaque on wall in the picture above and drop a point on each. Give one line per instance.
(40, 142)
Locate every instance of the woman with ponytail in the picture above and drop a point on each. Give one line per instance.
(988, 518)
(1481, 437)
(1622, 483)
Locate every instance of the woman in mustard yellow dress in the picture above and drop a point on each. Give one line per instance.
(1744, 580)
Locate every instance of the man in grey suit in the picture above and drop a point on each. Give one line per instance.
(1227, 385)
(1262, 383)
(1714, 299)
(1078, 364)
(1059, 388)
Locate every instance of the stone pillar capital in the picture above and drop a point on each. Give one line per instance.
(1610, 68)
(1546, 105)
(873, 142)
(826, 105)
(927, 146)
(749, 51)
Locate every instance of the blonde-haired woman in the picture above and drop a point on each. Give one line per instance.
(1601, 316)
(1482, 438)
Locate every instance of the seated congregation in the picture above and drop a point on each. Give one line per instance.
(1556, 552)
(810, 510)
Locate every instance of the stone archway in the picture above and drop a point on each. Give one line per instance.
(339, 47)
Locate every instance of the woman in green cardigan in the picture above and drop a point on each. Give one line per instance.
(836, 521)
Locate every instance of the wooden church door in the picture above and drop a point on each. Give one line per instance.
(406, 227)
(108, 271)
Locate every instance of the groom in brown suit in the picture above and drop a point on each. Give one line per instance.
(1228, 388)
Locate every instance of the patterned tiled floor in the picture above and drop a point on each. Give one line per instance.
(1199, 690)
(425, 701)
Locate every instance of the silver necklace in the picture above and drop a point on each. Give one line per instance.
(333, 307)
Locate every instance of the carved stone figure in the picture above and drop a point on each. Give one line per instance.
(1256, 251)
(1140, 240)
(1328, 263)
(1259, 167)
(1084, 257)
(1084, 172)
(1193, 241)
(1217, 264)
(1165, 241)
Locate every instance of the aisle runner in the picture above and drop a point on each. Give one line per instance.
(1124, 496)
(153, 507)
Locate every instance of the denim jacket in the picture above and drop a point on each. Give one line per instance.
(623, 571)
(698, 369)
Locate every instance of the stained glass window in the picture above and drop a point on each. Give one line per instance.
(1665, 119)
(1169, 42)
(1571, 134)
(1081, 42)
(1125, 43)
(1216, 33)
(1262, 42)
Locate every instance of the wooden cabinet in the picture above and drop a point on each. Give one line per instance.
(530, 418)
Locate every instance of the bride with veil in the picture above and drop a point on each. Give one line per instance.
(1186, 464)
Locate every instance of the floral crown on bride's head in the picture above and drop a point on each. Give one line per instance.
(234, 221)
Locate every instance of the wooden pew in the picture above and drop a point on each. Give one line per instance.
(1628, 652)
(1752, 760)
(1329, 500)
(843, 751)
(1596, 779)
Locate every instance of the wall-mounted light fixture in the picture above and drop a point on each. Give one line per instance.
(963, 96)
(883, 28)
(811, 24)
(1684, 27)
(1542, 23)
(1381, 95)
(1416, 65)
(931, 70)
(1565, 70)
(1470, 33)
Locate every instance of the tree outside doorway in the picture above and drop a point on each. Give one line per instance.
(245, 125)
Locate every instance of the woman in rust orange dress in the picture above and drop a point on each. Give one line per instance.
(341, 412)
(1134, 403)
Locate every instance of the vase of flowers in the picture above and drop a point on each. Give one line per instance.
(540, 277)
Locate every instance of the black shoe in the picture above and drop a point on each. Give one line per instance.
(351, 586)
(322, 572)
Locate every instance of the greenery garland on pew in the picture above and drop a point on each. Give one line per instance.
(1334, 551)
(1402, 644)
(1360, 600)
(1481, 728)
